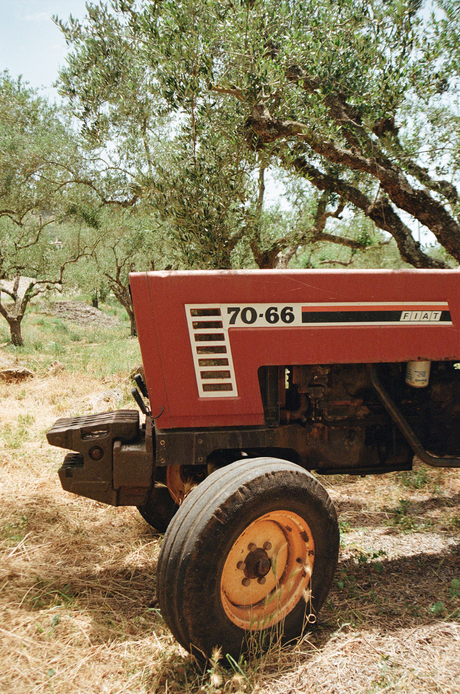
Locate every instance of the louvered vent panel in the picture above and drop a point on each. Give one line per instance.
(212, 356)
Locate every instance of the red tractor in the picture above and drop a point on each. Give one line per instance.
(253, 379)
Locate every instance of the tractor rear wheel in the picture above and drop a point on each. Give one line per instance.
(159, 509)
(172, 485)
(249, 556)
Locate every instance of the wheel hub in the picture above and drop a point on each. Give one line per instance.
(267, 570)
(257, 563)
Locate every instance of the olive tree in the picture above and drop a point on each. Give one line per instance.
(42, 193)
(130, 243)
(138, 85)
(356, 96)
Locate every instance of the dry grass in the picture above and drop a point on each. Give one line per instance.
(77, 580)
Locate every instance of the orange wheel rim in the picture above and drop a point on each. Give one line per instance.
(268, 570)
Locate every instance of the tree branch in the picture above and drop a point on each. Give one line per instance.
(231, 91)
(263, 129)
(380, 211)
(444, 188)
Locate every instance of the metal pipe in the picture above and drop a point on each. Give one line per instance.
(402, 424)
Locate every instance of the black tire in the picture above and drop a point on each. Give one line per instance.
(159, 509)
(198, 570)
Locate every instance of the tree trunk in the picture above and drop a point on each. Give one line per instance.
(132, 320)
(15, 331)
(123, 296)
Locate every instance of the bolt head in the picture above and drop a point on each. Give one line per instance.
(246, 582)
(241, 565)
(252, 547)
(267, 546)
(96, 453)
(261, 580)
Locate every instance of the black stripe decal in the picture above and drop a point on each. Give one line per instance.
(369, 317)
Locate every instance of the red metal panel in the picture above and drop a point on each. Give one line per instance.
(148, 341)
(280, 317)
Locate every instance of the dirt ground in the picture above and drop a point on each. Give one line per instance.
(78, 612)
(80, 312)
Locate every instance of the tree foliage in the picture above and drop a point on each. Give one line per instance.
(43, 188)
(129, 243)
(359, 97)
(175, 144)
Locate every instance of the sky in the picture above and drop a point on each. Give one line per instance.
(31, 45)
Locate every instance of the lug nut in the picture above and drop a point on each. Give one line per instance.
(261, 580)
(241, 565)
(252, 547)
(246, 582)
(267, 546)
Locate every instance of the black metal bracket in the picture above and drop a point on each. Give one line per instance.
(141, 385)
(138, 398)
(403, 425)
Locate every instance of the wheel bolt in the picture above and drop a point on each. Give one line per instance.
(252, 547)
(241, 565)
(267, 546)
(246, 582)
(261, 580)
